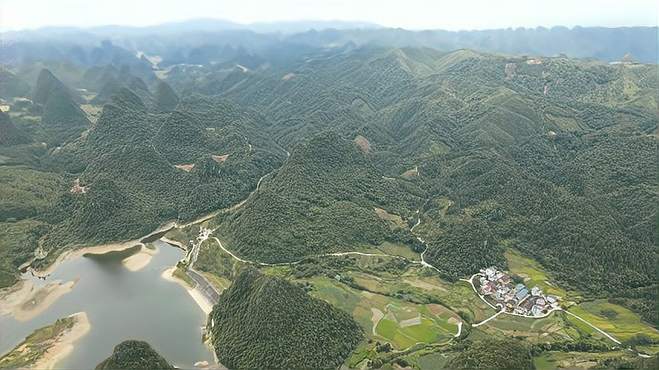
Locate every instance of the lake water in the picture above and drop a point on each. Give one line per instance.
(121, 305)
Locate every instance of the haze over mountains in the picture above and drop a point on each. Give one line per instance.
(608, 44)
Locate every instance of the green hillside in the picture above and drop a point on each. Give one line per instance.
(322, 200)
(165, 97)
(266, 320)
(9, 133)
(12, 86)
(145, 169)
(134, 354)
(493, 354)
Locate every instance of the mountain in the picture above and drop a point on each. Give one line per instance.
(262, 319)
(608, 44)
(9, 134)
(322, 200)
(92, 46)
(62, 119)
(165, 97)
(61, 110)
(143, 169)
(505, 141)
(134, 354)
(114, 83)
(46, 85)
(12, 86)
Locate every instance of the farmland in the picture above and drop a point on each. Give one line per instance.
(385, 318)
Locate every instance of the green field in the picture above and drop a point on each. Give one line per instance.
(181, 274)
(550, 328)
(579, 360)
(399, 250)
(621, 323)
(422, 282)
(532, 272)
(398, 322)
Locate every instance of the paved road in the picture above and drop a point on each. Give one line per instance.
(490, 318)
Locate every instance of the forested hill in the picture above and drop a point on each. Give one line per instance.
(9, 134)
(136, 168)
(134, 355)
(262, 320)
(147, 168)
(322, 200)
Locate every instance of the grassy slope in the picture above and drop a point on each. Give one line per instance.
(30, 350)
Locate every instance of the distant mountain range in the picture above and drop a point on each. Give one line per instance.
(608, 44)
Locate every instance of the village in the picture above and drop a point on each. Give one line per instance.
(498, 289)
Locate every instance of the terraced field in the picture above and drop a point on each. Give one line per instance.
(550, 328)
(386, 318)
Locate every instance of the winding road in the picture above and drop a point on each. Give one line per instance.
(471, 282)
(503, 310)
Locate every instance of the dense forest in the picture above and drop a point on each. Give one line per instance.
(267, 320)
(134, 355)
(322, 200)
(493, 354)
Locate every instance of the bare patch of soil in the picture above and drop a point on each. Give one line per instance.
(362, 143)
(220, 158)
(185, 167)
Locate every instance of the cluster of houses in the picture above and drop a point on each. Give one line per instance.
(497, 287)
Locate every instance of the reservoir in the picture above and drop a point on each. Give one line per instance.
(120, 304)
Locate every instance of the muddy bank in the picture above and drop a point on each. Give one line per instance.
(45, 346)
(27, 301)
(139, 260)
(198, 297)
(64, 345)
(100, 249)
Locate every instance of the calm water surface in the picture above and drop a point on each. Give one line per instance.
(121, 305)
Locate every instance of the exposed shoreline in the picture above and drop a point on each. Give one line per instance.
(198, 297)
(174, 243)
(99, 249)
(64, 345)
(140, 259)
(27, 302)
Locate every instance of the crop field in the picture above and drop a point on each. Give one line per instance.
(532, 272)
(418, 281)
(574, 360)
(386, 318)
(613, 319)
(462, 297)
(550, 328)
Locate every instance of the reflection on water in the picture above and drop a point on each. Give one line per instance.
(120, 305)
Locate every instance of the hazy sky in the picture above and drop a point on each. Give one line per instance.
(411, 14)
